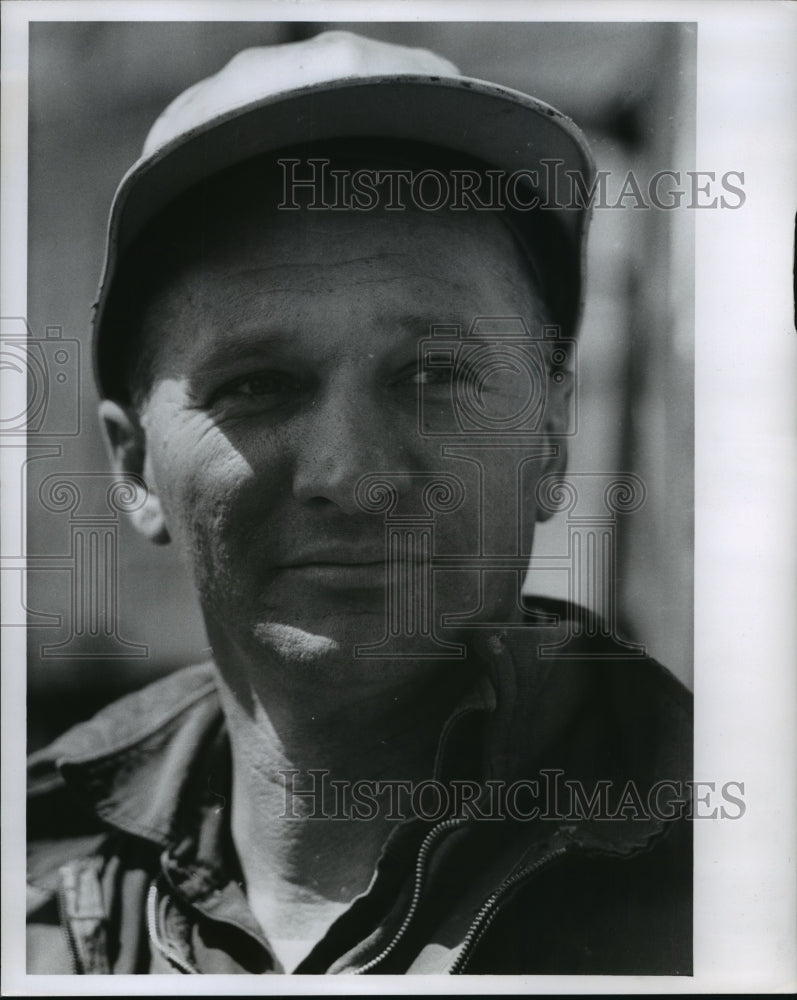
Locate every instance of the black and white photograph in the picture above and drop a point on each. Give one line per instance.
(397, 503)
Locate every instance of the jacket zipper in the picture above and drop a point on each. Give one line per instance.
(489, 910)
(164, 949)
(476, 932)
(420, 873)
(66, 927)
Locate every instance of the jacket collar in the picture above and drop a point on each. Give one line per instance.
(144, 761)
(577, 711)
(136, 762)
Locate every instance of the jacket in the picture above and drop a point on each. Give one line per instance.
(575, 856)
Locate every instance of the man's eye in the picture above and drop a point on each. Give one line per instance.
(434, 376)
(429, 376)
(263, 386)
(442, 375)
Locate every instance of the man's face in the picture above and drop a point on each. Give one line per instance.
(286, 370)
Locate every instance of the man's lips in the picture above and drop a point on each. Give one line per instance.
(342, 556)
(340, 567)
(335, 576)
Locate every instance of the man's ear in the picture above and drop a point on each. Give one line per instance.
(556, 421)
(553, 465)
(127, 446)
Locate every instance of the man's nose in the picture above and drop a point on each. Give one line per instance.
(344, 437)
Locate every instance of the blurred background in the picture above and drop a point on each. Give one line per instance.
(95, 89)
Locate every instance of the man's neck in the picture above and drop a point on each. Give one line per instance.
(298, 750)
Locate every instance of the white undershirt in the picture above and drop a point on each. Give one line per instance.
(290, 951)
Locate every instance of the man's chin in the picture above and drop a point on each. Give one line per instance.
(291, 642)
(347, 643)
(327, 639)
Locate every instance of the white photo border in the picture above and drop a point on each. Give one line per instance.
(745, 590)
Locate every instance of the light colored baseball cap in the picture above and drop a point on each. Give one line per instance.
(333, 86)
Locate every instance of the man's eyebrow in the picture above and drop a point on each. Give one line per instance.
(411, 328)
(254, 343)
(247, 347)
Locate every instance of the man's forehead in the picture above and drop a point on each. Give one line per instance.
(288, 240)
(285, 282)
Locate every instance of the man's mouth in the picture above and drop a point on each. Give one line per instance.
(342, 567)
(337, 555)
(346, 575)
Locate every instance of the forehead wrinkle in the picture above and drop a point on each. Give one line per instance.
(313, 285)
(302, 261)
(511, 269)
(302, 264)
(289, 244)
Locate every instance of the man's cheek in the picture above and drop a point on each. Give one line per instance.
(217, 553)
(224, 520)
(194, 510)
